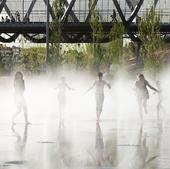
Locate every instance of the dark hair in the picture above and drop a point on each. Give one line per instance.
(140, 75)
(100, 74)
(18, 74)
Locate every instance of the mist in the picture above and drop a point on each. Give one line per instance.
(119, 127)
(120, 101)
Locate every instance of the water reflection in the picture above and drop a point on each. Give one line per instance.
(153, 162)
(21, 141)
(60, 152)
(99, 146)
(83, 147)
(141, 154)
(147, 152)
(106, 152)
(63, 147)
(19, 147)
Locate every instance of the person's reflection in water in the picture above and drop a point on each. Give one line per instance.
(106, 153)
(21, 142)
(99, 146)
(142, 150)
(62, 158)
(156, 147)
(141, 157)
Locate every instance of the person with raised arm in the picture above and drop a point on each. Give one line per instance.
(99, 84)
(142, 93)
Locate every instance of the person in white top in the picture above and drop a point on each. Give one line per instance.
(99, 84)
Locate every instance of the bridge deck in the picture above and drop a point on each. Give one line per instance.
(40, 27)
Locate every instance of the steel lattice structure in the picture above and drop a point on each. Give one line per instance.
(75, 20)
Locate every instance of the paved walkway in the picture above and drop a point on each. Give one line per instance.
(86, 145)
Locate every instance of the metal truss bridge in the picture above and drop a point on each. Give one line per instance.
(76, 27)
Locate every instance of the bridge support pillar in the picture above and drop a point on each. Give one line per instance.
(139, 60)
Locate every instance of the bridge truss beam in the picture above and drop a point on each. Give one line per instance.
(75, 31)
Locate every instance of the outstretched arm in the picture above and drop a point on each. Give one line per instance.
(90, 88)
(107, 84)
(151, 87)
(68, 87)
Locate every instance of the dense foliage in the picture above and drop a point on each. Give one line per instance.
(31, 60)
(92, 56)
(152, 41)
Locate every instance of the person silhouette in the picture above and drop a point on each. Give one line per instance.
(62, 87)
(99, 146)
(160, 100)
(19, 86)
(21, 141)
(142, 157)
(142, 93)
(63, 154)
(19, 146)
(99, 84)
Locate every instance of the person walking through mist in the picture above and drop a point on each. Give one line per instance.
(160, 107)
(99, 84)
(19, 86)
(62, 88)
(142, 93)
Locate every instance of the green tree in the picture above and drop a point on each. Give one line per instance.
(97, 35)
(116, 43)
(75, 57)
(151, 41)
(31, 59)
(55, 57)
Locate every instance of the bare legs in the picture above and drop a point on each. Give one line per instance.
(160, 109)
(21, 105)
(99, 105)
(98, 116)
(140, 110)
(61, 114)
(62, 106)
(158, 112)
(16, 113)
(145, 105)
(25, 113)
(142, 103)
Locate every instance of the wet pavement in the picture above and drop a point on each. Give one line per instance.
(86, 145)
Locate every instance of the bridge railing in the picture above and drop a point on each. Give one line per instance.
(104, 15)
